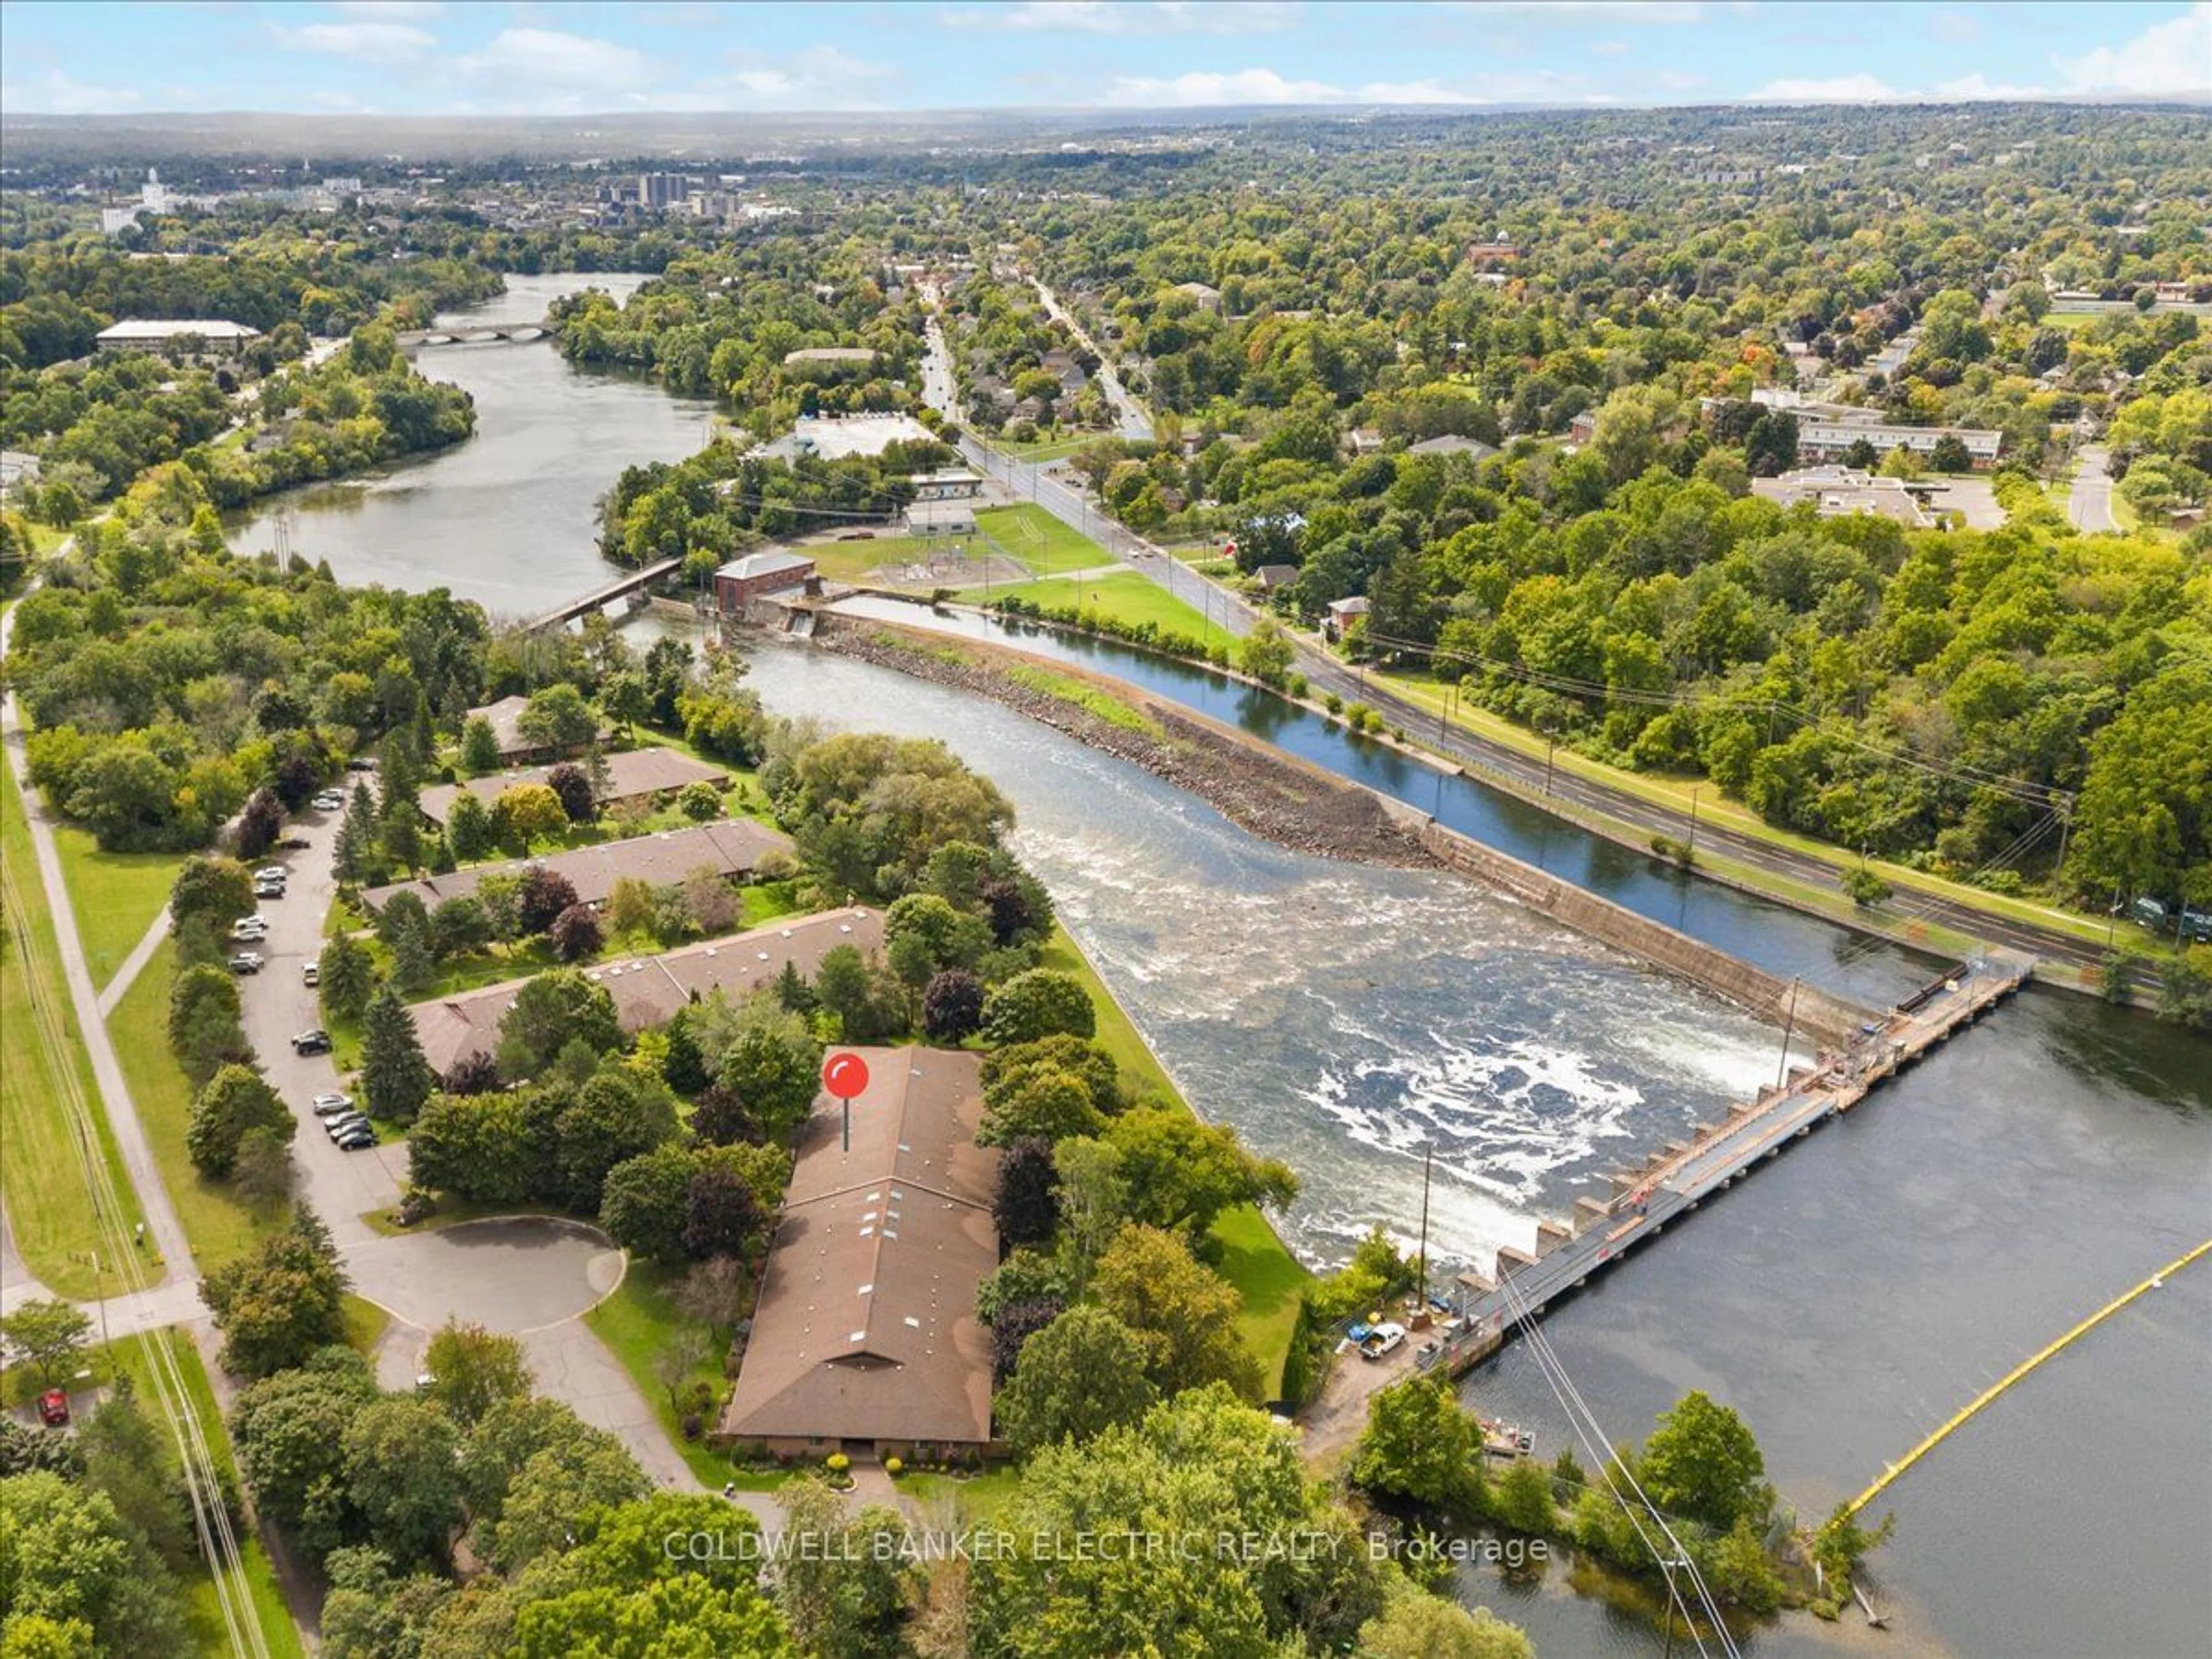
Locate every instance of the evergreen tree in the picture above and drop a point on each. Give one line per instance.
(479, 746)
(683, 1068)
(356, 837)
(347, 977)
(395, 1079)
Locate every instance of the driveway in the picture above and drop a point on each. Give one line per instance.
(2090, 505)
(512, 1276)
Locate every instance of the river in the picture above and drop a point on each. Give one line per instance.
(1847, 1300)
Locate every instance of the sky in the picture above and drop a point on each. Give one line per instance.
(494, 58)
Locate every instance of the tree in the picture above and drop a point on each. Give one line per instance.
(643, 1204)
(1704, 1464)
(215, 889)
(260, 823)
(1267, 654)
(617, 1114)
(845, 1592)
(952, 1007)
(575, 933)
(1184, 1312)
(369, 1614)
(714, 1292)
(557, 717)
(550, 1011)
(236, 1100)
(1418, 1445)
(49, 1334)
(204, 1028)
(1037, 1003)
(683, 1068)
(525, 814)
(345, 977)
(555, 1485)
(73, 1578)
(1093, 1197)
(720, 1215)
(128, 1458)
(479, 748)
(1047, 1104)
(1078, 1376)
(544, 896)
(1183, 1173)
(472, 1370)
(357, 838)
(470, 831)
(459, 926)
(626, 698)
(281, 1301)
(774, 1065)
(924, 934)
(1740, 1572)
(264, 1175)
(402, 1474)
(571, 785)
(1949, 455)
(700, 801)
(1522, 1498)
(290, 1432)
(1026, 1202)
(395, 1079)
(1417, 1625)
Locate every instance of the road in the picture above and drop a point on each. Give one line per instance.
(2090, 505)
(1130, 417)
(1527, 774)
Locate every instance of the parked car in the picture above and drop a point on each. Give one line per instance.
(311, 973)
(269, 890)
(249, 927)
(246, 962)
(53, 1408)
(270, 873)
(293, 844)
(333, 1105)
(316, 1041)
(361, 763)
(345, 1123)
(329, 801)
(1380, 1341)
(2197, 927)
(356, 1140)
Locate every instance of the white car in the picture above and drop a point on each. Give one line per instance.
(333, 1105)
(249, 927)
(329, 801)
(1381, 1340)
(270, 872)
(311, 973)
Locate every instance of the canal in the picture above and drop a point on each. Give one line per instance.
(1846, 1301)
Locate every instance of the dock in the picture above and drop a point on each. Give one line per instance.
(1673, 1181)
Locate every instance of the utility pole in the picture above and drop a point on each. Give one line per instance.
(1551, 744)
(1789, 1028)
(1691, 855)
(1421, 1271)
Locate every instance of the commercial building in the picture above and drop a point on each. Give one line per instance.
(951, 483)
(834, 437)
(1451, 443)
(758, 575)
(208, 336)
(650, 991)
(631, 775)
(734, 848)
(1841, 492)
(864, 1339)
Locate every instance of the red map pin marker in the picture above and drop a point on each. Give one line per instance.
(845, 1076)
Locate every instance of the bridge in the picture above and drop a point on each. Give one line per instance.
(631, 587)
(477, 334)
(1675, 1180)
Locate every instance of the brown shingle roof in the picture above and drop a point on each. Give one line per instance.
(647, 991)
(733, 846)
(630, 772)
(866, 1326)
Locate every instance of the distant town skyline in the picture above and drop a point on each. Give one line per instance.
(421, 57)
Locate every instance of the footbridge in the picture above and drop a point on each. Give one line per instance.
(633, 587)
(477, 334)
(1520, 1284)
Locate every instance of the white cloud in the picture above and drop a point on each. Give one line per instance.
(820, 77)
(1130, 17)
(1414, 92)
(366, 43)
(1609, 49)
(2166, 58)
(1860, 88)
(1979, 89)
(389, 8)
(55, 94)
(1680, 80)
(537, 59)
(1203, 88)
(1656, 12)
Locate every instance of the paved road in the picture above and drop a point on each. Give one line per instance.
(1131, 419)
(1503, 762)
(2090, 505)
(167, 1231)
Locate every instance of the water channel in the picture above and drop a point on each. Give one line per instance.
(1846, 1301)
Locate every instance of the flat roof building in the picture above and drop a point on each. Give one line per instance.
(732, 848)
(756, 575)
(632, 774)
(220, 339)
(1842, 492)
(1830, 440)
(866, 1333)
(650, 991)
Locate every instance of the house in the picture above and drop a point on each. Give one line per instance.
(1451, 443)
(1342, 613)
(732, 848)
(865, 1338)
(1274, 578)
(632, 774)
(208, 337)
(1492, 253)
(1822, 441)
(847, 357)
(757, 575)
(505, 719)
(951, 483)
(1583, 427)
(650, 991)
(1203, 296)
(1840, 492)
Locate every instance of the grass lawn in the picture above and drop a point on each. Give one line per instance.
(40, 1075)
(1047, 449)
(202, 1612)
(978, 1498)
(637, 1323)
(1267, 1277)
(1040, 540)
(365, 1324)
(1124, 597)
(1084, 694)
(221, 1225)
(114, 896)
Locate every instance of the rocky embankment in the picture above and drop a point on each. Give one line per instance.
(1271, 794)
